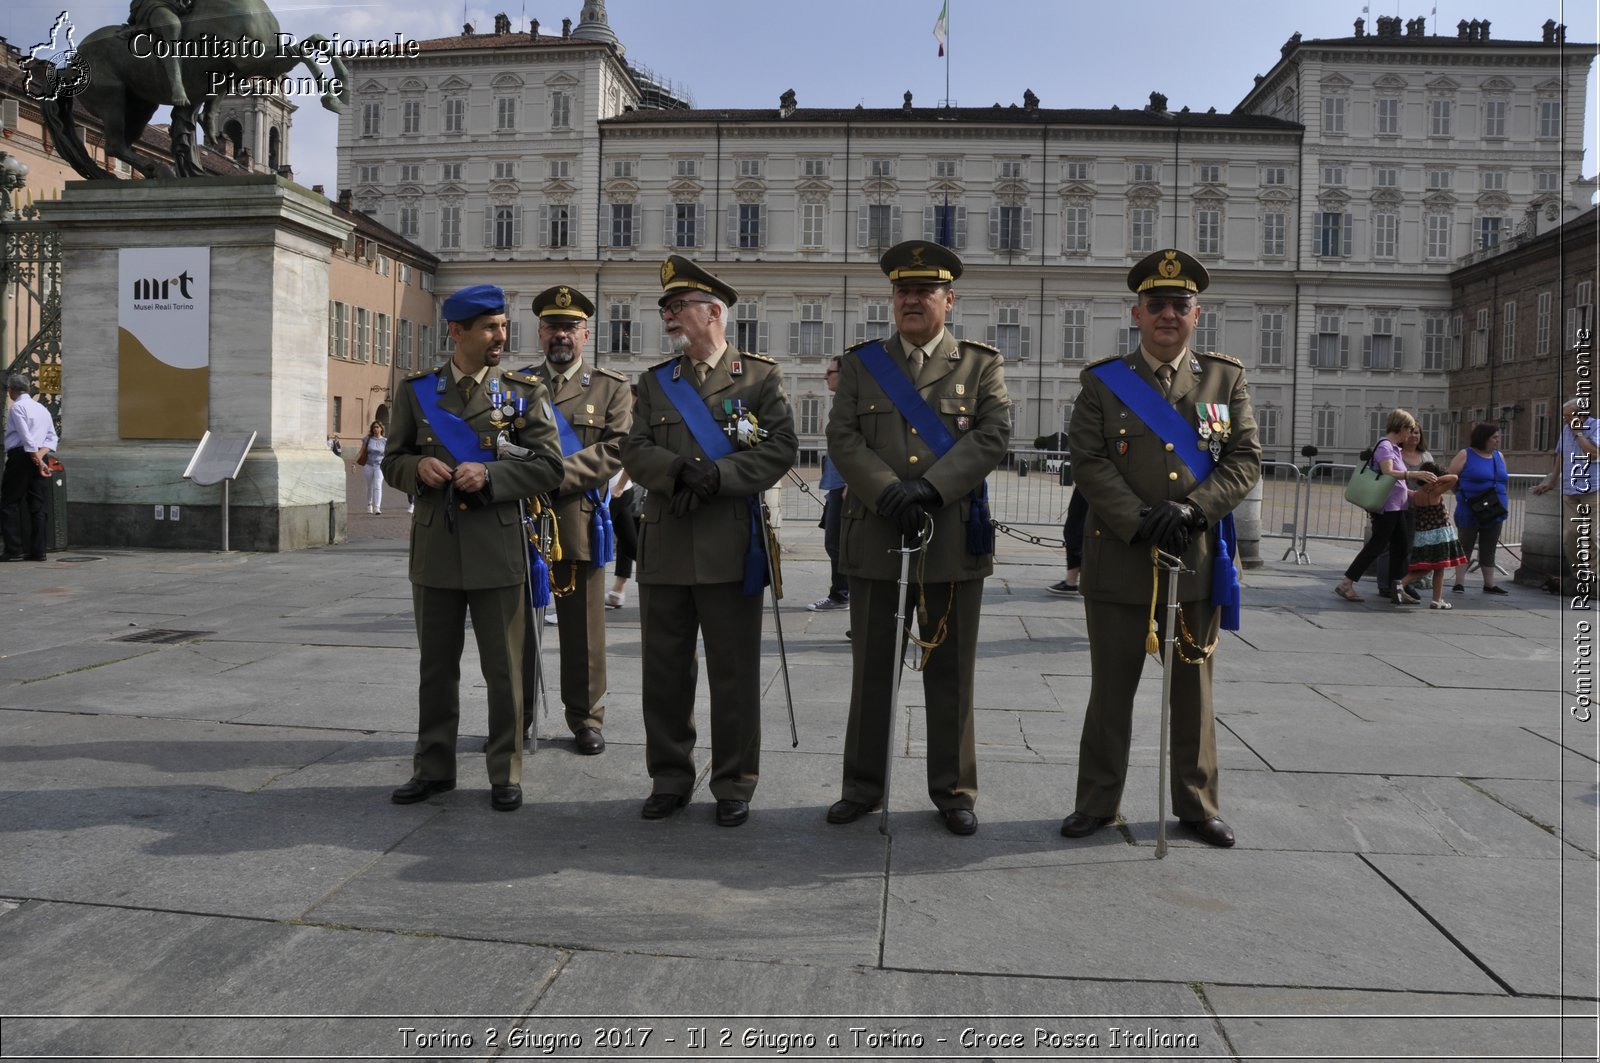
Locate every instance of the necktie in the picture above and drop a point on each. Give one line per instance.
(918, 355)
(701, 371)
(466, 385)
(1165, 374)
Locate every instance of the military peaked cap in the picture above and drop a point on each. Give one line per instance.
(920, 262)
(679, 274)
(563, 301)
(1168, 269)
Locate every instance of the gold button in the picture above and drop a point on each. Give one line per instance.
(963, 409)
(1122, 431)
(1172, 476)
(913, 431)
(1169, 446)
(912, 459)
(872, 406)
(1097, 533)
(463, 506)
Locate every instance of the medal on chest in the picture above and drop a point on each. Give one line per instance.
(1214, 425)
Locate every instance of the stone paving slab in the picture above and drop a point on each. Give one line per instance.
(85, 962)
(1241, 664)
(587, 872)
(1475, 673)
(1531, 922)
(1265, 1024)
(1569, 808)
(1195, 916)
(1446, 707)
(58, 659)
(778, 998)
(195, 848)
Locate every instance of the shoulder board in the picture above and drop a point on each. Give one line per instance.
(980, 346)
(854, 347)
(422, 373)
(612, 373)
(658, 365)
(758, 357)
(524, 376)
(1103, 361)
(1219, 356)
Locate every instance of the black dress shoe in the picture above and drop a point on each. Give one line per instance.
(590, 741)
(960, 820)
(1211, 831)
(10, 557)
(660, 806)
(36, 557)
(420, 790)
(848, 811)
(1080, 825)
(731, 813)
(506, 798)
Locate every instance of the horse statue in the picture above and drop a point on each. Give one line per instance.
(123, 73)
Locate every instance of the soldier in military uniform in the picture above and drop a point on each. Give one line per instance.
(897, 480)
(597, 407)
(699, 541)
(1142, 493)
(469, 548)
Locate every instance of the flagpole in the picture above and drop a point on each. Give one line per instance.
(947, 56)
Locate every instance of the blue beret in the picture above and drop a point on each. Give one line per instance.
(469, 303)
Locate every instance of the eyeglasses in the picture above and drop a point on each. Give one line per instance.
(676, 306)
(1179, 304)
(567, 325)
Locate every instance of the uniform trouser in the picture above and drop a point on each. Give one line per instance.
(581, 625)
(946, 688)
(731, 623)
(24, 504)
(832, 525)
(1116, 655)
(499, 616)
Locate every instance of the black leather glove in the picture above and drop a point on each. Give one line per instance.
(911, 520)
(924, 494)
(895, 498)
(1167, 525)
(701, 477)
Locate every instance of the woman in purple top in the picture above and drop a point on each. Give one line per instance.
(1388, 527)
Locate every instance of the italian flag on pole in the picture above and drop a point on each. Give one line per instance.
(941, 29)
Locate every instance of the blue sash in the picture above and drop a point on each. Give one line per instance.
(703, 427)
(1151, 407)
(457, 435)
(910, 404)
(602, 536)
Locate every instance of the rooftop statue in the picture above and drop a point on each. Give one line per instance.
(182, 53)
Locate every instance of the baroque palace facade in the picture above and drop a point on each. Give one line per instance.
(1331, 205)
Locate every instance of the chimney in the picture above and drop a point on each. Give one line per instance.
(502, 24)
(1484, 33)
(344, 198)
(1461, 30)
(1158, 103)
(566, 29)
(319, 190)
(1549, 28)
(466, 30)
(534, 30)
(1361, 27)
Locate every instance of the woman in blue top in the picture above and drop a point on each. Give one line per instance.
(1480, 468)
(1388, 527)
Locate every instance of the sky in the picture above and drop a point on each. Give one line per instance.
(838, 53)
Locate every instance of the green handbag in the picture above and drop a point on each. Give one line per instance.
(1369, 488)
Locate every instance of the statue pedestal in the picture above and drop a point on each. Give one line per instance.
(1543, 521)
(270, 242)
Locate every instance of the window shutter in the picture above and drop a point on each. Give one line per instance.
(928, 222)
(761, 338)
(633, 337)
(637, 220)
(544, 226)
(961, 228)
(861, 332)
(827, 338)
(1398, 347)
(514, 337)
(488, 226)
(761, 225)
(1025, 346)
(1027, 234)
(1366, 352)
(863, 226)
(794, 337)
(699, 225)
(1349, 230)
(894, 225)
(668, 214)
(733, 226)
(1344, 352)
(990, 336)
(994, 237)
(516, 228)
(1311, 348)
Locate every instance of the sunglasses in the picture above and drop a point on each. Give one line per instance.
(1179, 304)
